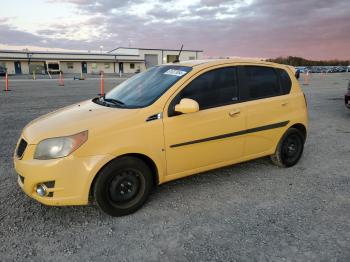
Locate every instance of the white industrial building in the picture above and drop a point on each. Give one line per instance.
(122, 59)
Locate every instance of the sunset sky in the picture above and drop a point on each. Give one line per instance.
(315, 29)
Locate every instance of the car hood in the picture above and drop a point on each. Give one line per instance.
(76, 118)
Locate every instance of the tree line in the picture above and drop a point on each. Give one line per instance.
(299, 61)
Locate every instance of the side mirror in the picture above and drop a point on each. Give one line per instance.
(186, 106)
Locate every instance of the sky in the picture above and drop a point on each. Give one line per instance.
(314, 29)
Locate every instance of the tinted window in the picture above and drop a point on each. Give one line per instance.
(260, 82)
(285, 81)
(214, 88)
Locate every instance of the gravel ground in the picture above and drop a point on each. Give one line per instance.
(248, 212)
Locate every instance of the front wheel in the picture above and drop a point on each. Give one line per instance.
(123, 186)
(289, 149)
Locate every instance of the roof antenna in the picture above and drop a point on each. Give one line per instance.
(178, 59)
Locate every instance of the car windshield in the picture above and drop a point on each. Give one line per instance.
(144, 88)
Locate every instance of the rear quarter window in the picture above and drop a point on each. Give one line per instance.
(285, 81)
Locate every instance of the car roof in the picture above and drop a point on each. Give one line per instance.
(213, 62)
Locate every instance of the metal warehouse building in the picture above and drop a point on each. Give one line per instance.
(122, 59)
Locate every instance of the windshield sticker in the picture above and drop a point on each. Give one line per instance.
(175, 72)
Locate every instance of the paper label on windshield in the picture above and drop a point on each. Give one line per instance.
(175, 72)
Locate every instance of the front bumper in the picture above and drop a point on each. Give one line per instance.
(347, 100)
(71, 176)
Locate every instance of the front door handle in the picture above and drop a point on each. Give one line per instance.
(234, 112)
(284, 103)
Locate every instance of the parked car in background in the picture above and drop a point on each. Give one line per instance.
(323, 69)
(2, 71)
(302, 69)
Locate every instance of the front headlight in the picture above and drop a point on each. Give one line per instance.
(59, 146)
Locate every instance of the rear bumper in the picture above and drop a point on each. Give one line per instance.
(70, 178)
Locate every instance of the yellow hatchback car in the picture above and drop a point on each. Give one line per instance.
(168, 122)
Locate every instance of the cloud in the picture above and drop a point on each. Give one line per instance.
(10, 35)
(4, 20)
(256, 28)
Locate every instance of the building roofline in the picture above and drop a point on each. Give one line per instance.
(73, 59)
(59, 53)
(157, 49)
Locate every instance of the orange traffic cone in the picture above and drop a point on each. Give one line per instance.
(61, 81)
(102, 85)
(6, 83)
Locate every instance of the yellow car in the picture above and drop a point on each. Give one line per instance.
(168, 122)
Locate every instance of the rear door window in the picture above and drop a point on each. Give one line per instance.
(257, 82)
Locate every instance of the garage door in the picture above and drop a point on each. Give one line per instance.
(151, 60)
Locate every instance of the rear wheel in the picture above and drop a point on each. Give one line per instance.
(123, 186)
(289, 149)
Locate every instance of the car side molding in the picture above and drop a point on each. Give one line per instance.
(242, 132)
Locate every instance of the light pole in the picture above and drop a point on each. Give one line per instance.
(29, 55)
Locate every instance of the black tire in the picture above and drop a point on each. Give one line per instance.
(289, 149)
(123, 186)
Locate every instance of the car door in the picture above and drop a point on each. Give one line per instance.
(207, 138)
(266, 108)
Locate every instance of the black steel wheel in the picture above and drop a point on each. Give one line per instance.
(289, 149)
(123, 186)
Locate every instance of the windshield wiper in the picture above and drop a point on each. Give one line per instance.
(113, 101)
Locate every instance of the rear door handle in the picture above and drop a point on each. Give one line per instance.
(234, 112)
(285, 103)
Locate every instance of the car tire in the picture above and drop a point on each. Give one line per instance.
(123, 186)
(290, 148)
